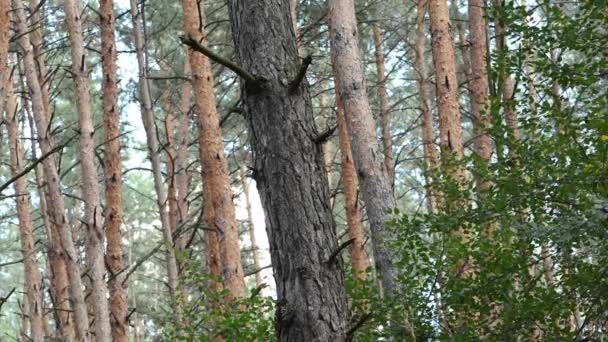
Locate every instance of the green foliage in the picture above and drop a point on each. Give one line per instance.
(209, 312)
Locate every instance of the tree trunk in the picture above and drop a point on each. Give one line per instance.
(385, 116)
(351, 191)
(289, 172)
(112, 172)
(57, 264)
(428, 133)
(374, 182)
(36, 38)
(55, 203)
(217, 195)
(252, 239)
(92, 219)
(33, 286)
(4, 40)
(182, 154)
(478, 89)
(450, 130)
(147, 116)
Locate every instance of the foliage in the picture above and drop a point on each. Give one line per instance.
(211, 312)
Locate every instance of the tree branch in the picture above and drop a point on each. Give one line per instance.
(197, 46)
(335, 254)
(30, 167)
(324, 136)
(295, 83)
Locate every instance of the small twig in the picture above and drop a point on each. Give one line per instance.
(5, 299)
(325, 135)
(257, 271)
(197, 46)
(295, 83)
(358, 324)
(335, 254)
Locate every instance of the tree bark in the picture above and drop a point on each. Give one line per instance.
(32, 286)
(147, 116)
(217, 196)
(428, 133)
(112, 172)
(57, 264)
(289, 172)
(479, 88)
(351, 191)
(385, 116)
(55, 203)
(92, 218)
(374, 182)
(450, 130)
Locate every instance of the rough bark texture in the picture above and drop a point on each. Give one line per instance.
(450, 131)
(36, 38)
(112, 171)
(478, 88)
(428, 133)
(56, 257)
(217, 195)
(289, 172)
(252, 239)
(147, 116)
(92, 220)
(55, 203)
(373, 179)
(385, 117)
(32, 287)
(351, 191)
(4, 37)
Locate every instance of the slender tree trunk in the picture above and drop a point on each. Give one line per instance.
(92, 219)
(56, 204)
(450, 130)
(217, 195)
(351, 190)
(293, 14)
(478, 89)
(252, 239)
(59, 276)
(182, 153)
(289, 173)
(147, 116)
(170, 149)
(33, 286)
(374, 182)
(36, 38)
(385, 116)
(428, 133)
(4, 40)
(112, 172)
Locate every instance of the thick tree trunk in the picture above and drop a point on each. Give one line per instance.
(374, 182)
(112, 172)
(55, 203)
(428, 133)
(351, 191)
(385, 116)
(289, 172)
(478, 89)
(92, 219)
(33, 286)
(217, 196)
(147, 115)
